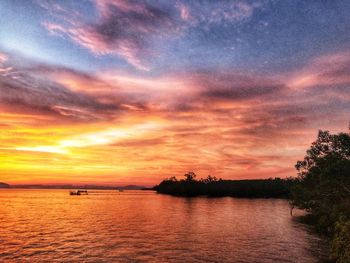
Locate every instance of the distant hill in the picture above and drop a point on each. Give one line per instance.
(4, 185)
(68, 186)
(130, 187)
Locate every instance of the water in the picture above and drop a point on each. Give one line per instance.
(140, 226)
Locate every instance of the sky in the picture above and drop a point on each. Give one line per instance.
(117, 92)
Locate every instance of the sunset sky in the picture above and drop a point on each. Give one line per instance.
(119, 92)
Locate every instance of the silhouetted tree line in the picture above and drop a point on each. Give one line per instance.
(323, 189)
(211, 186)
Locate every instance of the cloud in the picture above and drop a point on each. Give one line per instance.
(326, 70)
(217, 12)
(24, 89)
(3, 58)
(123, 28)
(236, 86)
(48, 99)
(231, 124)
(129, 29)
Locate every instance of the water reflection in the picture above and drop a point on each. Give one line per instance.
(46, 225)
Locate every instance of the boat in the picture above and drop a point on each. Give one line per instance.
(78, 192)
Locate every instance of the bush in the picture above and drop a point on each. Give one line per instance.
(340, 245)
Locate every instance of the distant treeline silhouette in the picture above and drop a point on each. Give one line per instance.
(211, 186)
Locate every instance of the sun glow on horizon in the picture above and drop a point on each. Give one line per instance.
(96, 138)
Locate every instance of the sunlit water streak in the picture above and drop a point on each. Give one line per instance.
(140, 226)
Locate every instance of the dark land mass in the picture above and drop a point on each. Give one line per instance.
(264, 188)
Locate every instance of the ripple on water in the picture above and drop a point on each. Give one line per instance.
(107, 226)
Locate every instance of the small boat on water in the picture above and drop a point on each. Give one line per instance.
(78, 192)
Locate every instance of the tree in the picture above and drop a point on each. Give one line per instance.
(324, 174)
(209, 179)
(172, 179)
(190, 176)
(323, 188)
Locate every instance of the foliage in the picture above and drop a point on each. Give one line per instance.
(323, 189)
(341, 241)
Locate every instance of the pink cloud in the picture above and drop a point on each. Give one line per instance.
(326, 70)
(122, 29)
(3, 57)
(184, 12)
(127, 29)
